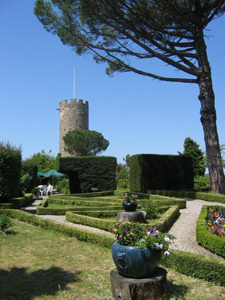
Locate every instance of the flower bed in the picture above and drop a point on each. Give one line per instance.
(210, 241)
(216, 221)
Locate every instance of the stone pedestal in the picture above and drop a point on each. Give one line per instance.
(152, 288)
(137, 216)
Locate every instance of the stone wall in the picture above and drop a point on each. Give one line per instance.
(72, 115)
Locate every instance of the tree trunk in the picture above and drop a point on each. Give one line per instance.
(208, 119)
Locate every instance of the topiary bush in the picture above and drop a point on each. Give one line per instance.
(151, 171)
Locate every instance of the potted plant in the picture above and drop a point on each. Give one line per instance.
(137, 251)
(129, 202)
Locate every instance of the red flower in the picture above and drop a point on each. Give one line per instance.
(222, 234)
(214, 227)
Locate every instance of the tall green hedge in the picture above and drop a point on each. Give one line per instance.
(86, 173)
(160, 172)
(10, 170)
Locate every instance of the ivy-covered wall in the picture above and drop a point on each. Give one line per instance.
(160, 172)
(86, 173)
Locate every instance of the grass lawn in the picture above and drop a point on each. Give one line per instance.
(41, 264)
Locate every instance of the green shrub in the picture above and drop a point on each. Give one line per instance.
(151, 211)
(10, 170)
(35, 191)
(201, 182)
(5, 222)
(28, 178)
(122, 183)
(63, 186)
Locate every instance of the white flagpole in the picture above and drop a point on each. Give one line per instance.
(74, 82)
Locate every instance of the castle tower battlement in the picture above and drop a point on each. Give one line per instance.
(72, 115)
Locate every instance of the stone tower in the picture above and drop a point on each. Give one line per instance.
(72, 115)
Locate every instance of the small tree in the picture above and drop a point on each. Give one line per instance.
(123, 32)
(82, 142)
(192, 149)
(44, 161)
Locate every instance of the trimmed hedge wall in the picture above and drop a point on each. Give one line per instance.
(150, 171)
(86, 173)
(205, 238)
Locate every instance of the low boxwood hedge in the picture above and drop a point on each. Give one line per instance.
(98, 213)
(6, 205)
(80, 234)
(90, 221)
(190, 264)
(21, 201)
(60, 211)
(195, 265)
(93, 194)
(157, 200)
(207, 196)
(79, 201)
(165, 220)
(205, 238)
(53, 211)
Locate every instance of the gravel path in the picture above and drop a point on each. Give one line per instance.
(184, 228)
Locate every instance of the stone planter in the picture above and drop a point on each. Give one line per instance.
(133, 262)
(133, 216)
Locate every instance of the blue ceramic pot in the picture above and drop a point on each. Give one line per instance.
(132, 206)
(133, 262)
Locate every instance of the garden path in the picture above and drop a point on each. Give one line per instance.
(184, 228)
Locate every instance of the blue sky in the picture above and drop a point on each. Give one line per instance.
(135, 113)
